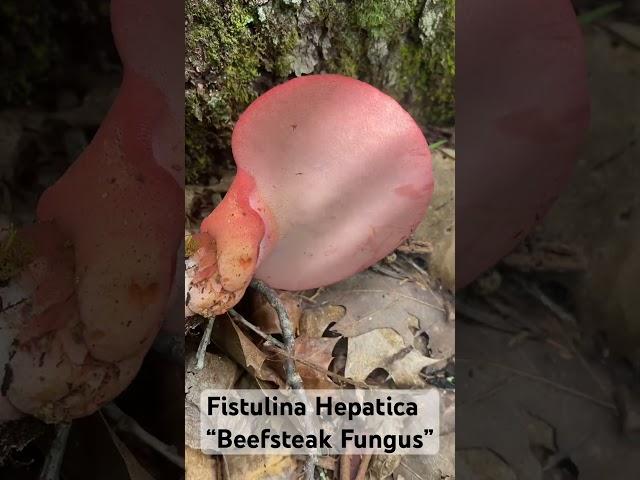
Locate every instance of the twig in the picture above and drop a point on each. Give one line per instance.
(546, 381)
(567, 318)
(288, 335)
(279, 346)
(265, 336)
(363, 467)
(317, 293)
(598, 13)
(53, 462)
(387, 271)
(345, 467)
(293, 377)
(621, 37)
(204, 343)
(124, 423)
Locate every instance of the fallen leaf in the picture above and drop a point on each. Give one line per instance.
(382, 466)
(315, 320)
(385, 348)
(136, 471)
(232, 340)
(95, 451)
(199, 466)
(264, 316)
(317, 351)
(374, 301)
(218, 373)
(261, 467)
(484, 464)
(542, 438)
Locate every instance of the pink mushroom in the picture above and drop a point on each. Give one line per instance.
(523, 112)
(105, 241)
(332, 176)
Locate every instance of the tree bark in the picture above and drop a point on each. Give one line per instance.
(237, 49)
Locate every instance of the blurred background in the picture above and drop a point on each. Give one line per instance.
(548, 341)
(59, 75)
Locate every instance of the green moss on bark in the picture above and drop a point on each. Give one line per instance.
(230, 46)
(237, 49)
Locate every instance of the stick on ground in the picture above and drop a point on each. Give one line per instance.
(204, 343)
(293, 377)
(53, 462)
(124, 423)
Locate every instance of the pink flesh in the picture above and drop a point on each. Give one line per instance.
(524, 111)
(342, 176)
(219, 272)
(106, 238)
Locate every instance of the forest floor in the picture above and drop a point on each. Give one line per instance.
(545, 395)
(392, 326)
(555, 403)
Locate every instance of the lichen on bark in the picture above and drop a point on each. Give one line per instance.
(237, 49)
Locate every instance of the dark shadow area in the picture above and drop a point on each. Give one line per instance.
(91, 142)
(548, 333)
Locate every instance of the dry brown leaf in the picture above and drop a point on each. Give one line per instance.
(199, 466)
(191, 424)
(135, 470)
(218, 373)
(375, 301)
(264, 316)
(385, 348)
(382, 466)
(315, 320)
(484, 463)
(261, 467)
(232, 340)
(317, 351)
(92, 452)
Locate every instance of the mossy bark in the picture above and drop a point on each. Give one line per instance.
(44, 42)
(237, 49)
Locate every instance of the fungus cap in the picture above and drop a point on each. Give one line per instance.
(342, 176)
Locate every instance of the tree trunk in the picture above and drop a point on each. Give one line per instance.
(237, 49)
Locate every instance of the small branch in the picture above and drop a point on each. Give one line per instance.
(345, 467)
(280, 348)
(124, 423)
(293, 377)
(567, 318)
(265, 336)
(204, 343)
(53, 462)
(363, 467)
(288, 335)
(546, 381)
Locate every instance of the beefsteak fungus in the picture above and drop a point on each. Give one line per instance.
(332, 176)
(82, 313)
